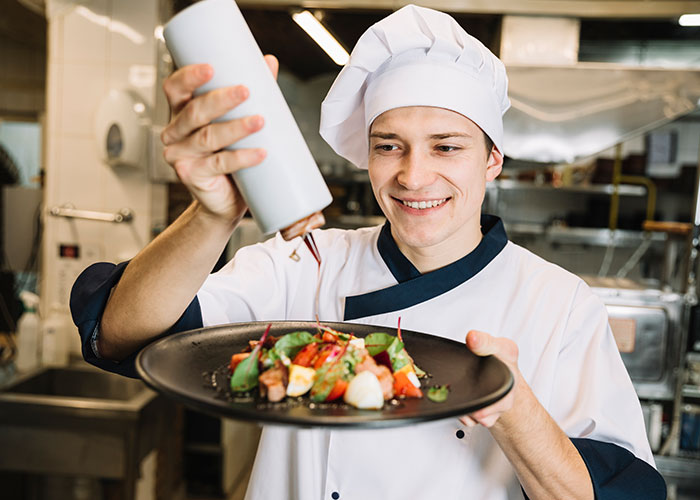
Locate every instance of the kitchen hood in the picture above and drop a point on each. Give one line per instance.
(561, 114)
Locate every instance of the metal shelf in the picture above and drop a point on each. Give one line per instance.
(605, 189)
(565, 235)
(691, 391)
(683, 471)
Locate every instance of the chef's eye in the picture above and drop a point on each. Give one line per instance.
(447, 149)
(386, 147)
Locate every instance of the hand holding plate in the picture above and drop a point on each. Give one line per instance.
(505, 350)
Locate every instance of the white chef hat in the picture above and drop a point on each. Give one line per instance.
(413, 57)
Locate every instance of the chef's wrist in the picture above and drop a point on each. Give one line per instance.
(213, 221)
(519, 417)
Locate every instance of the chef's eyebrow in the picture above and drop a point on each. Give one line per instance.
(448, 135)
(384, 135)
(443, 135)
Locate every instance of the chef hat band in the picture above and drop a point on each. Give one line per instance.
(414, 57)
(438, 86)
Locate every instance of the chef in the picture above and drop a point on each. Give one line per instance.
(419, 105)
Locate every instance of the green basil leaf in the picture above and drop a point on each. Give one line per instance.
(325, 380)
(245, 377)
(291, 344)
(438, 393)
(398, 355)
(378, 342)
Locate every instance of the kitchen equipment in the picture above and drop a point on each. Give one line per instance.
(121, 129)
(81, 421)
(286, 187)
(647, 325)
(182, 366)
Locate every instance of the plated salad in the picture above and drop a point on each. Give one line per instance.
(327, 366)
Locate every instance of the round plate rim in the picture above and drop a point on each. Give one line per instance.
(321, 421)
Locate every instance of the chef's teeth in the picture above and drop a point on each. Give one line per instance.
(424, 204)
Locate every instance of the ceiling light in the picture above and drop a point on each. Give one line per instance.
(689, 20)
(321, 36)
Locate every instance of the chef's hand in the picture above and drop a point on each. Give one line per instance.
(483, 344)
(194, 146)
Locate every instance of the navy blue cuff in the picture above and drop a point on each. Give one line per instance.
(87, 303)
(617, 474)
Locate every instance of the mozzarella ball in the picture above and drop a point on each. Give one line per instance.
(364, 392)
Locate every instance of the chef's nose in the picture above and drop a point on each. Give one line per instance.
(415, 172)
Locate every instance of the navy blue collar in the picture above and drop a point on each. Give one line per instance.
(414, 287)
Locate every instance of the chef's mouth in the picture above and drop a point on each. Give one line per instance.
(422, 204)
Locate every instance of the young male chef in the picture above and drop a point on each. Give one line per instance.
(420, 105)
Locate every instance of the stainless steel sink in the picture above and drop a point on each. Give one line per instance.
(77, 390)
(79, 420)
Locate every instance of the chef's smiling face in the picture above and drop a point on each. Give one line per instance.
(429, 168)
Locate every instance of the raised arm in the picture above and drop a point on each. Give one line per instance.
(161, 281)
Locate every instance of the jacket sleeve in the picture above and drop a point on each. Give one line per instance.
(595, 403)
(616, 474)
(87, 303)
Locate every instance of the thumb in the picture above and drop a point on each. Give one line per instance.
(481, 343)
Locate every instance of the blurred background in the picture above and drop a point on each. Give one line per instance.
(601, 177)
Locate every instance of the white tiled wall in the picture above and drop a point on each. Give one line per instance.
(94, 46)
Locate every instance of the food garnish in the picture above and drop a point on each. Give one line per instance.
(438, 393)
(327, 366)
(245, 376)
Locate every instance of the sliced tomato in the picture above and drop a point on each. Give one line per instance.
(404, 387)
(338, 390)
(326, 351)
(235, 359)
(329, 337)
(306, 356)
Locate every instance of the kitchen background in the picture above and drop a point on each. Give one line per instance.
(600, 177)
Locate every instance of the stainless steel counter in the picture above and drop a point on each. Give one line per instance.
(81, 421)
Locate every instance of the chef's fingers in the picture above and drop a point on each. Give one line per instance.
(212, 138)
(468, 421)
(273, 64)
(201, 111)
(489, 420)
(200, 171)
(488, 416)
(483, 344)
(179, 86)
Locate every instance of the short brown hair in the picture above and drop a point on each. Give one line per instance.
(489, 144)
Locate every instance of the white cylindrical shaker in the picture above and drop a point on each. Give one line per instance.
(287, 186)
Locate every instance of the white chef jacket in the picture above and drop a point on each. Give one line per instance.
(567, 355)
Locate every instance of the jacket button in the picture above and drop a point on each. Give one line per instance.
(335, 495)
(459, 434)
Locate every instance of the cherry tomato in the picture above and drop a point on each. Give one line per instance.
(306, 355)
(404, 387)
(338, 390)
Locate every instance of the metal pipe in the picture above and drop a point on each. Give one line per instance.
(615, 198)
(123, 215)
(651, 191)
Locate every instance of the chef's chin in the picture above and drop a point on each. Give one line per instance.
(416, 236)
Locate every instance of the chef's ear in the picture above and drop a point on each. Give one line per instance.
(494, 164)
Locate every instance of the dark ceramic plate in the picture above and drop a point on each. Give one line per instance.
(189, 366)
